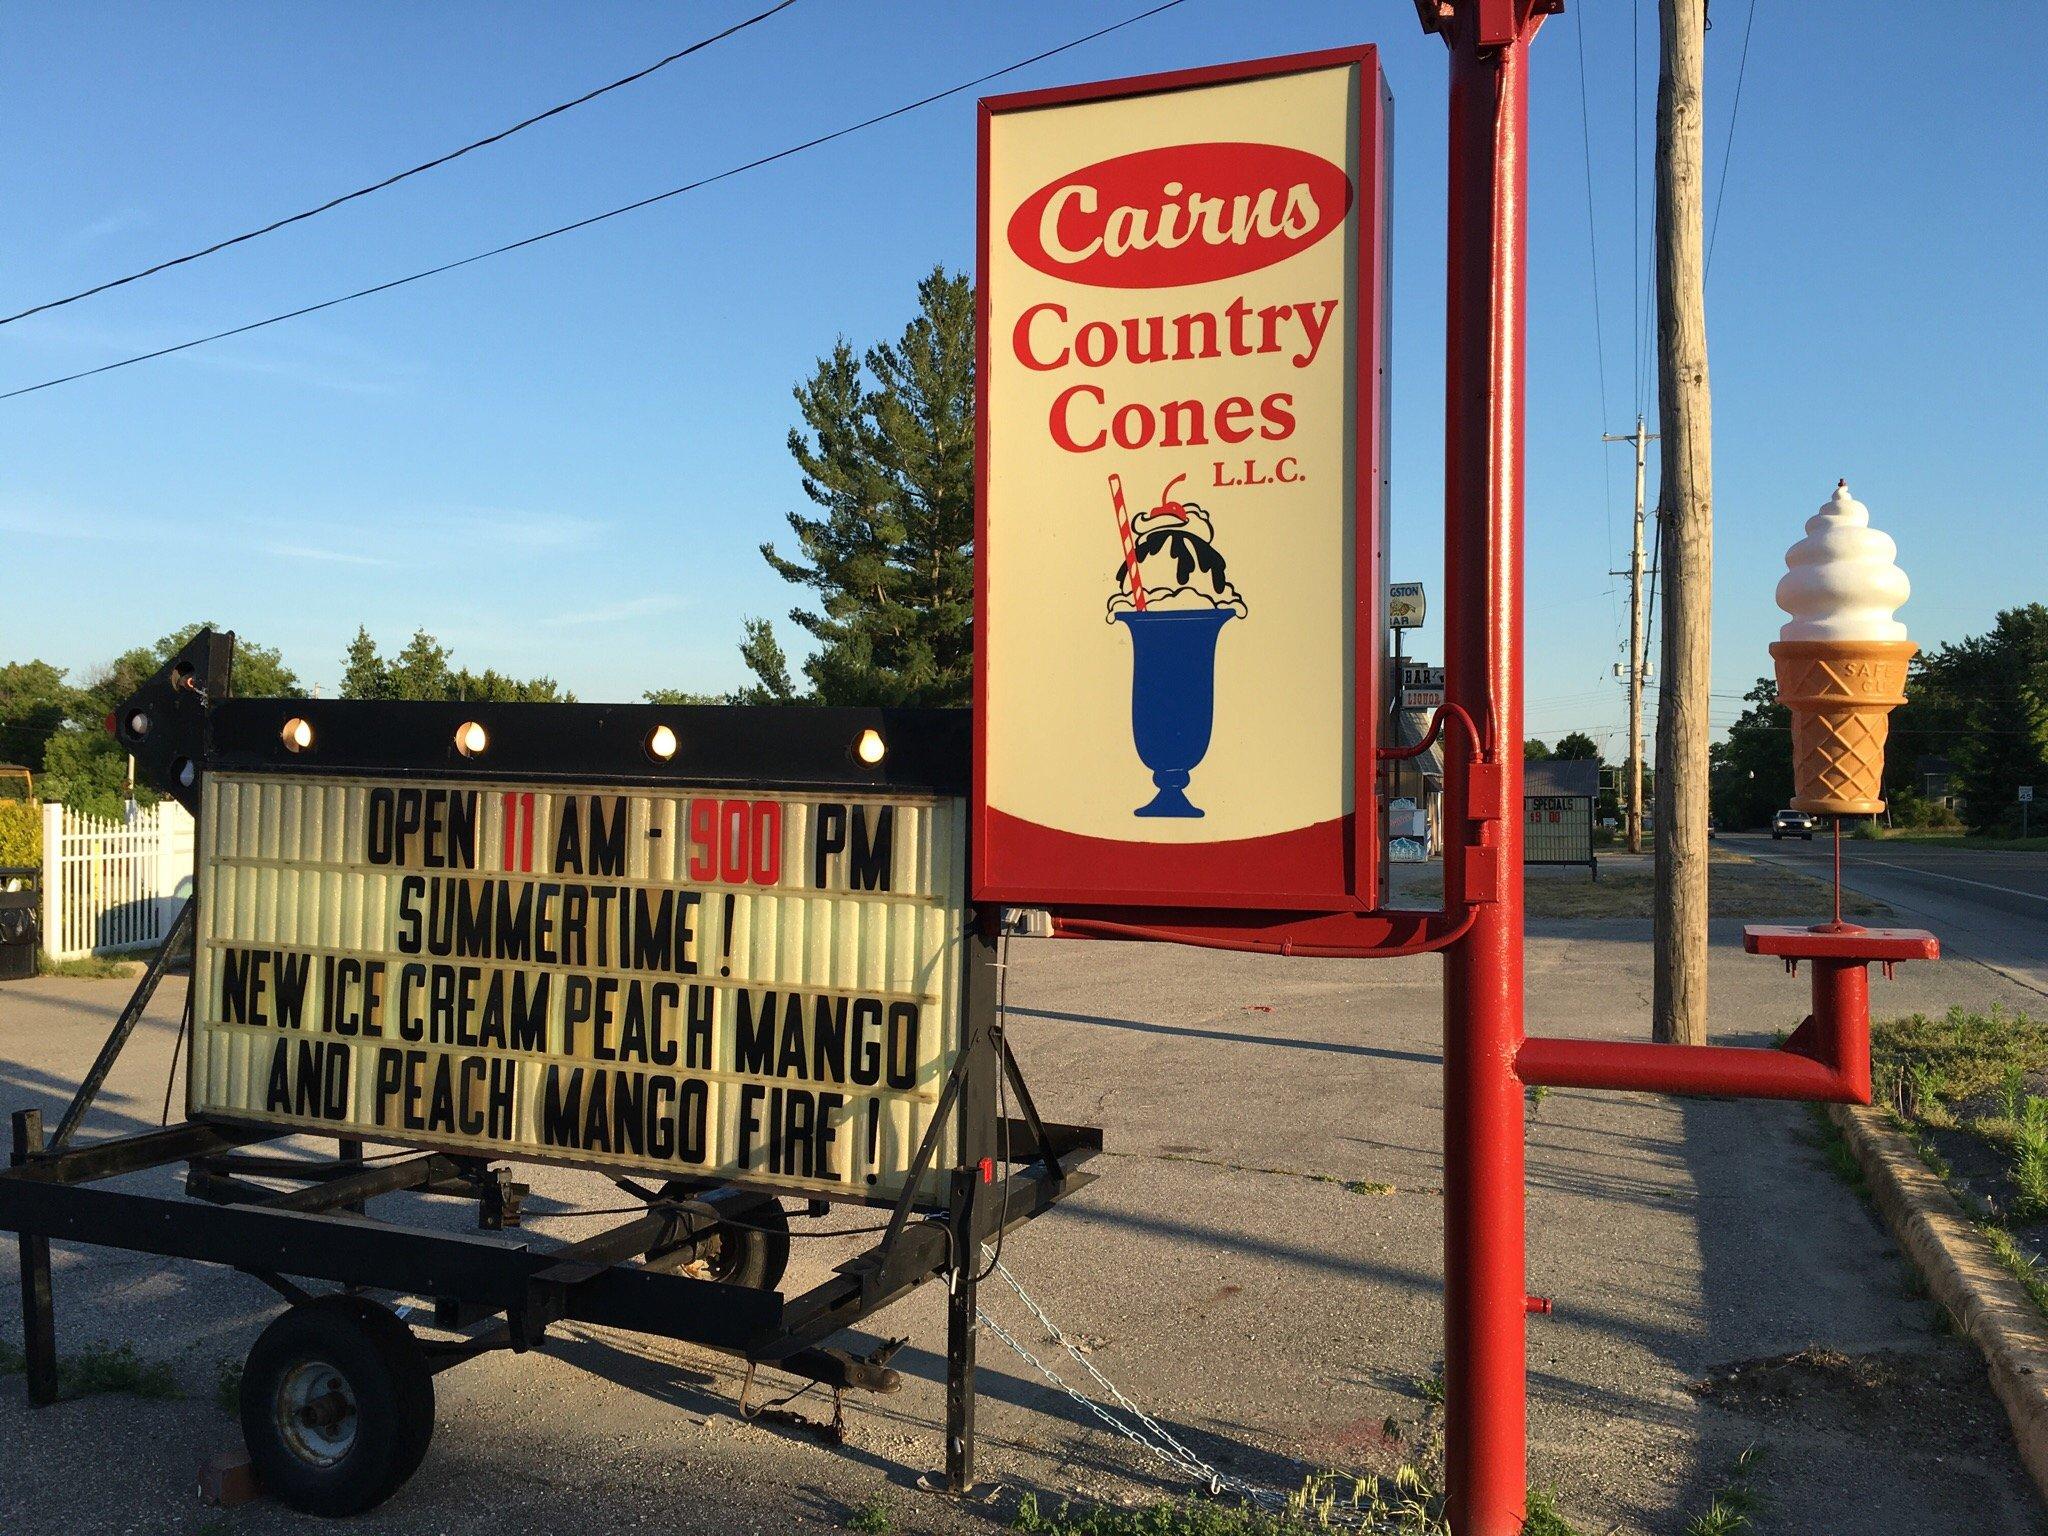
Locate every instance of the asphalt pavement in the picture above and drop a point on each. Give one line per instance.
(1260, 1266)
(1989, 908)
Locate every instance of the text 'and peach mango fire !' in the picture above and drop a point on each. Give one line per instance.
(693, 984)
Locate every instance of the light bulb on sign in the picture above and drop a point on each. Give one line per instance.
(471, 739)
(661, 743)
(871, 749)
(297, 735)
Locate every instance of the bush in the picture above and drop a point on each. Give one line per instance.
(1911, 810)
(21, 832)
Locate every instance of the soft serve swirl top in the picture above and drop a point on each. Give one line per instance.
(1843, 581)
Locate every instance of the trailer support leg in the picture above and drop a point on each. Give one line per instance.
(960, 1339)
(38, 1313)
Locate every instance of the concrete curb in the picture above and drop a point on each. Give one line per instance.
(1961, 1271)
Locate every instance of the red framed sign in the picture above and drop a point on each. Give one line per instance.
(1180, 488)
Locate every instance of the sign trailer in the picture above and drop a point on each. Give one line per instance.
(747, 954)
(724, 951)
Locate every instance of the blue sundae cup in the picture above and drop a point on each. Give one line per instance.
(1173, 697)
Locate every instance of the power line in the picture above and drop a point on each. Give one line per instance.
(1592, 237)
(1728, 149)
(393, 180)
(598, 218)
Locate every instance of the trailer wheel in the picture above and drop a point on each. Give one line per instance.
(754, 1254)
(337, 1406)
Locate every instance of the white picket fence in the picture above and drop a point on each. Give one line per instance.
(110, 886)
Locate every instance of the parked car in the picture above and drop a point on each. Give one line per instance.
(1793, 824)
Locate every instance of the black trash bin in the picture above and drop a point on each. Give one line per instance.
(21, 920)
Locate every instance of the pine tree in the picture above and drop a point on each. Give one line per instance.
(2006, 742)
(421, 670)
(365, 676)
(887, 452)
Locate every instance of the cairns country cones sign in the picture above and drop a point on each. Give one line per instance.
(1180, 484)
(1841, 694)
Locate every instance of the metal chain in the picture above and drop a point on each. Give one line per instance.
(1216, 1480)
(1166, 1447)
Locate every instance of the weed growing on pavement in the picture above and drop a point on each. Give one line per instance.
(873, 1518)
(114, 1368)
(1431, 1388)
(1409, 1503)
(1736, 1501)
(1544, 1518)
(87, 967)
(227, 1384)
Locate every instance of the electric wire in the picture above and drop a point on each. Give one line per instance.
(1728, 148)
(393, 180)
(599, 218)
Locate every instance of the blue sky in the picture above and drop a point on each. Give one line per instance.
(563, 460)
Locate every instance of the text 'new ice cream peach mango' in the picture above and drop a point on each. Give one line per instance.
(1841, 657)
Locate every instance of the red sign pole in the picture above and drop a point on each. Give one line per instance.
(1485, 1300)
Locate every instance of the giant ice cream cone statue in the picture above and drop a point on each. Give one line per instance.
(1842, 657)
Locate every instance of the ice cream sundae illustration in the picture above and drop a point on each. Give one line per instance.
(1841, 658)
(1174, 597)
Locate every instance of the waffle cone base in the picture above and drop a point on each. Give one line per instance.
(1841, 694)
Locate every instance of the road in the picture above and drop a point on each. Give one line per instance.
(1988, 908)
(1260, 1266)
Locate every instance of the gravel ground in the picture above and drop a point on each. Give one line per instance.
(1260, 1265)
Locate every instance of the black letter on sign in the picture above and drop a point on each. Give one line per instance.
(381, 849)
(870, 867)
(828, 836)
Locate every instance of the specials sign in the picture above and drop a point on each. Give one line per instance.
(1180, 488)
(755, 987)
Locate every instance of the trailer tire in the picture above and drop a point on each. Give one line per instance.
(754, 1254)
(336, 1347)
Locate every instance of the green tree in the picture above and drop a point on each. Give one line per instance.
(2004, 739)
(35, 701)
(488, 687)
(364, 674)
(1750, 773)
(887, 454)
(423, 671)
(86, 768)
(1577, 746)
(1535, 751)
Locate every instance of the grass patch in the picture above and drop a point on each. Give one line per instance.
(1961, 840)
(1733, 1504)
(88, 967)
(1737, 886)
(1544, 1518)
(1941, 1070)
(873, 1517)
(1407, 1504)
(227, 1384)
(101, 1368)
(1982, 1077)
(114, 1368)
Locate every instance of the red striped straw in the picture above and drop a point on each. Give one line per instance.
(1123, 530)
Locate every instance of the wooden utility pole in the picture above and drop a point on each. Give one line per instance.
(1685, 513)
(1634, 811)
